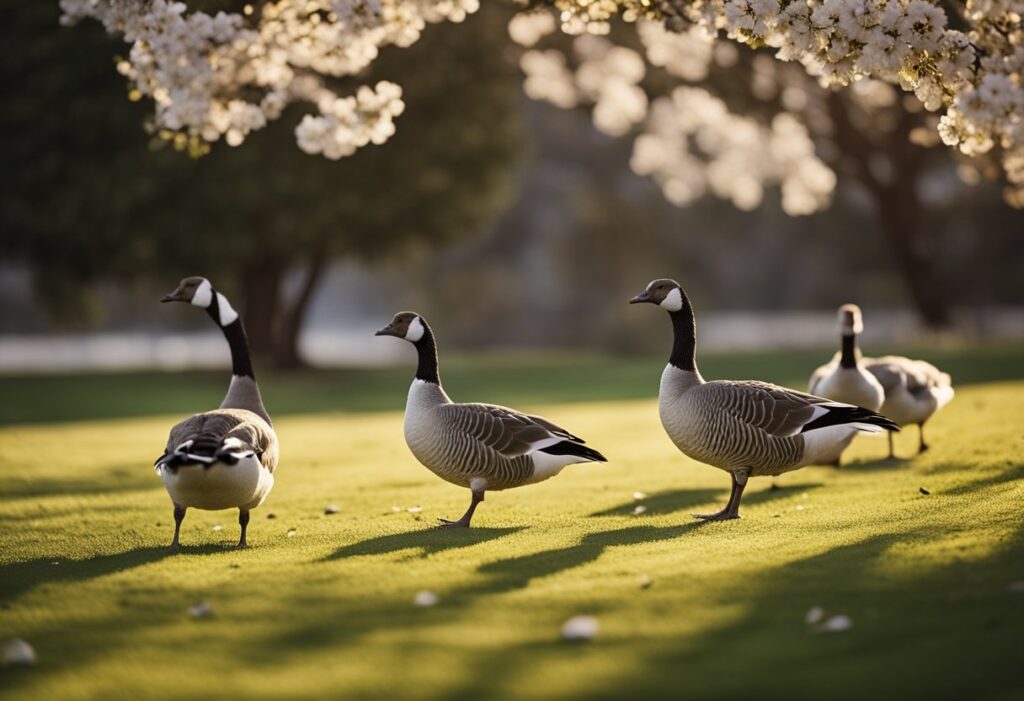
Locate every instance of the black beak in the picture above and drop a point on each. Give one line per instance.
(388, 330)
(642, 297)
(172, 297)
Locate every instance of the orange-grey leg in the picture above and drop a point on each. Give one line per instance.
(732, 509)
(478, 496)
(243, 521)
(179, 516)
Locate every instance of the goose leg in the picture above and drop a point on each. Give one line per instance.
(179, 516)
(243, 521)
(466, 517)
(892, 453)
(921, 446)
(732, 509)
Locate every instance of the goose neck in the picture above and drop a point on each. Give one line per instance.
(684, 337)
(848, 357)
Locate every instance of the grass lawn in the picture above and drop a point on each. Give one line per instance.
(931, 582)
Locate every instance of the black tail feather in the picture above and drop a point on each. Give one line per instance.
(839, 414)
(570, 448)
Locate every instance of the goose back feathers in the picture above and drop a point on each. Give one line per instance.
(914, 389)
(755, 425)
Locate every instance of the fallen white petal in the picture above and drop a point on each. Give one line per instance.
(580, 628)
(17, 652)
(426, 598)
(200, 610)
(218, 527)
(414, 509)
(291, 532)
(639, 495)
(836, 624)
(639, 510)
(814, 616)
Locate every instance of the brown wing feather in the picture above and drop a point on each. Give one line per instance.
(209, 430)
(507, 431)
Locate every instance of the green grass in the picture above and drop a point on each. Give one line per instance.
(328, 612)
(541, 379)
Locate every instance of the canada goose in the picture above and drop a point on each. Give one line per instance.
(746, 428)
(225, 458)
(914, 390)
(842, 378)
(482, 447)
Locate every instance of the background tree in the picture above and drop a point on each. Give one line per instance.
(89, 196)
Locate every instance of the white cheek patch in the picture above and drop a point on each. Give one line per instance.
(415, 331)
(225, 310)
(203, 295)
(673, 302)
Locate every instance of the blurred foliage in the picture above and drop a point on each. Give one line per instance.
(89, 195)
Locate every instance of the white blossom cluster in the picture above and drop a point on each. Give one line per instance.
(225, 75)
(692, 144)
(976, 75)
(689, 143)
(607, 76)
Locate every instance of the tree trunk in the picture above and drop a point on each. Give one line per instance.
(897, 203)
(261, 282)
(286, 348)
(900, 211)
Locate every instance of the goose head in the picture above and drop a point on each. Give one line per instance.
(407, 325)
(850, 321)
(195, 290)
(664, 292)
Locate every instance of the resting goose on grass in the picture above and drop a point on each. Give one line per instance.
(843, 378)
(482, 447)
(225, 458)
(749, 428)
(914, 391)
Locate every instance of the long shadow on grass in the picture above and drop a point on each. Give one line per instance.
(949, 635)
(427, 541)
(116, 481)
(1011, 474)
(20, 577)
(687, 499)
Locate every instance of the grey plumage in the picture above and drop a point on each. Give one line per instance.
(744, 428)
(914, 391)
(483, 447)
(223, 458)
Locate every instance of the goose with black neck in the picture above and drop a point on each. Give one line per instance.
(745, 428)
(843, 378)
(224, 458)
(482, 447)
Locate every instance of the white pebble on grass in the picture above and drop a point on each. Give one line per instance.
(415, 509)
(291, 532)
(836, 624)
(426, 598)
(645, 582)
(200, 610)
(639, 510)
(580, 628)
(814, 616)
(332, 509)
(639, 496)
(18, 653)
(218, 527)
